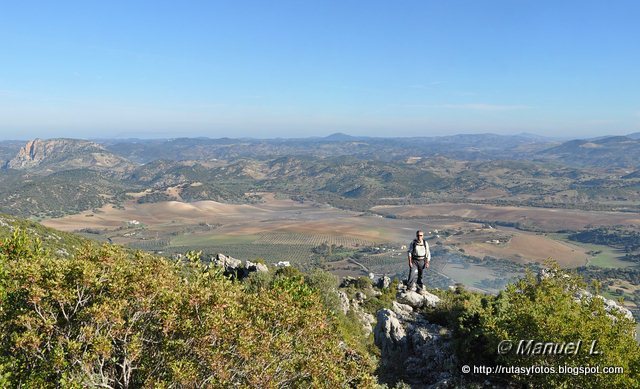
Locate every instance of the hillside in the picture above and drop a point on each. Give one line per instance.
(58, 193)
(61, 176)
(59, 242)
(607, 152)
(471, 147)
(66, 154)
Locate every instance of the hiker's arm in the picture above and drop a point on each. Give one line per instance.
(428, 254)
(409, 253)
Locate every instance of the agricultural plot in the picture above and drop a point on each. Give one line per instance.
(285, 230)
(529, 247)
(597, 255)
(298, 255)
(546, 219)
(291, 238)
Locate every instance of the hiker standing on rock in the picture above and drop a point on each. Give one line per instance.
(419, 258)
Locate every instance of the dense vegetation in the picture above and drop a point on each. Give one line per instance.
(545, 309)
(107, 317)
(621, 238)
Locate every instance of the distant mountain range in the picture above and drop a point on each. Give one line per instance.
(613, 151)
(124, 155)
(53, 177)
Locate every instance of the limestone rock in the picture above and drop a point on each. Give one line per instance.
(228, 263)
(390, 337)
(384, 282)
(348, 281)
(344, 302)
(367, 320)
(64, 154)
(234, 267)
(412, 349)
(402, 310)
(609, 305)
(255, 266)
(417, 300)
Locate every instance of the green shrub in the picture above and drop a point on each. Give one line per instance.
(544, 311)
(107, 317)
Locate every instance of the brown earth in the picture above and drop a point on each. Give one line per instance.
(547, 219)
(528, 247)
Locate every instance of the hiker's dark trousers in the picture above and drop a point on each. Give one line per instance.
(416, 271)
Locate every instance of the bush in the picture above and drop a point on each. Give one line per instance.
(544, 311)
(108, 317)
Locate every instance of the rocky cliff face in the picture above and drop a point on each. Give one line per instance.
(412, 349)
(66, 154)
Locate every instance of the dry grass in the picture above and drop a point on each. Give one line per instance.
(527, 247)
(288, 222)
(544, 218)
(309, 221)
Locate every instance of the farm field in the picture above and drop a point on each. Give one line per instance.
(528, 247)
(286, 230)
(275, 230)
(598, 255)
(546, 219)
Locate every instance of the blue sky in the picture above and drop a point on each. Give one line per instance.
(304, 68)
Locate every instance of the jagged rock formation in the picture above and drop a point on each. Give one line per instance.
(417, 300)
(235, 268)
(412, 349)
(65, 154)
(384, 282)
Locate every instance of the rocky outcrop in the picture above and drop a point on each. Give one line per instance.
(235, 268)
(384, 282)
(64, 154)
(417, 300)
(345, 306)
(354, 305)
(412, 349)
(609, 305)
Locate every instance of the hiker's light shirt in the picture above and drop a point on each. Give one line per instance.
(421, 250)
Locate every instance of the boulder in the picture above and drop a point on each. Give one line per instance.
(344, 302)
(384, 282)
(390, 337)
(255, 266)
(412, 349)
(417, 300)
(228, 263)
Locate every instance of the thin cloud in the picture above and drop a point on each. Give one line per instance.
(425, 86)
(483, 107)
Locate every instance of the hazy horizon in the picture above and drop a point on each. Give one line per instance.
(304, 136)
(297, 69)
